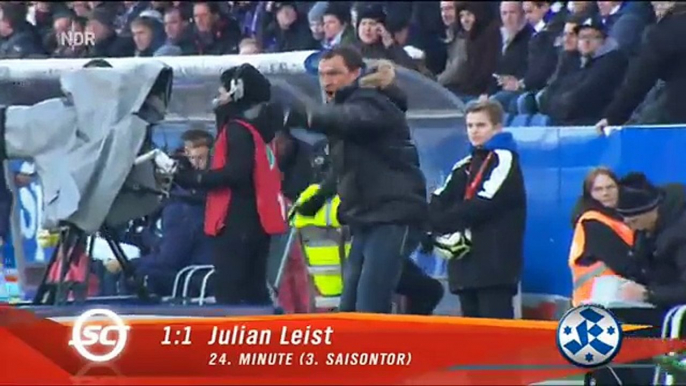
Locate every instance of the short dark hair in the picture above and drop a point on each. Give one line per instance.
(492, 108)
(198, 137)
(350, 54)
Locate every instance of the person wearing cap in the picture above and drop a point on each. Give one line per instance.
(17, 37)
(289, 31)
(337, 28)
(659, 214)
(590, 89)
(107, 43)
(245, 207)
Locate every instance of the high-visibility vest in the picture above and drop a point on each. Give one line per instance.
(583, 277)
(322, 253)
(327, 217)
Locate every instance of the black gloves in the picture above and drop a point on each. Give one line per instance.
(188, 178)
(182, 162)
(310, 207)
(295, 116)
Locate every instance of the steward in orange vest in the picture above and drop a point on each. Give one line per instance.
(600, 247)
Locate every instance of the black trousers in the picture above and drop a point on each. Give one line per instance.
(489, 302)
(423, 292)
(240, 263)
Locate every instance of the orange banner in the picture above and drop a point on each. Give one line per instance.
(293, 349)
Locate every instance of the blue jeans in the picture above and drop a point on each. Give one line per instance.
(507, 99)
(374, 265)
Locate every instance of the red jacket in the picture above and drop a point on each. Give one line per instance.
(267, 179)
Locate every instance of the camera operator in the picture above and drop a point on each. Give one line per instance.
(244, 204)
(376, 165)
(183, 241)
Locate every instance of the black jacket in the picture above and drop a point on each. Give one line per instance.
(662, 56)
(605, 245)
(374, 159)
(542, 59)
(112, 47)
(589, 90)
(664, 254)
(496, 216)
(237, 174)
(513, 60)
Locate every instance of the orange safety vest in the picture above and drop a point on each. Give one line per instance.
(584, 276)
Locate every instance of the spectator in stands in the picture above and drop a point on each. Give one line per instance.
(40, 15)
(589, 90)
(623, 25)
(143, 33)
(183, 239)
(177, 32)
(214, 33)
(483, 203)
(482, 47)
(18, 39)
(77, 24)
(107, 43)
(132, 9)
(541, 59)
(316, 19)
(160, 6)
(398, 26)
(248, 14)
(249, 46)
(582, 9)
(375, 42)
(601, 242)
(456, 44)
(289, 31)
(569, 61)
(515, 34)
(80, 8)
(337, 28)
(659, 58)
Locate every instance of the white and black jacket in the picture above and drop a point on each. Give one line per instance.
(495, 215)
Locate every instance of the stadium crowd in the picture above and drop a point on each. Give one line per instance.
(577, 62)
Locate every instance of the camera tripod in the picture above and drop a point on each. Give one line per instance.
(71, 254)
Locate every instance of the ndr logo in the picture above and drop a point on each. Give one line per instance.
(85, 337)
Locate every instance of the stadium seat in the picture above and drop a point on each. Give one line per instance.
(520, 120)
(539, 120)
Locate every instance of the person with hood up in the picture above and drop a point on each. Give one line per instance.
(375, 163)
(479, 216)
(590, 89)
(482, 46)
(245, 206)
(602, 242)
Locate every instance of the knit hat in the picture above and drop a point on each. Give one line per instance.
(594, 23)
(396, 22)
(340, 10)
(317, 11)
(280, 4)
(637, 195)
(373, 12)
(256, 87)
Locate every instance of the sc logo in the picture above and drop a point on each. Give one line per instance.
(84, 336)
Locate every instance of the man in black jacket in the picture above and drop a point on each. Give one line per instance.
(376, 164)
(483, 205)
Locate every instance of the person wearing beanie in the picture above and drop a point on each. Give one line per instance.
(374, 40)
(316, 19)
(244, 202)
(659, 214)
(289, 31)
(107, 43)
(337, 28)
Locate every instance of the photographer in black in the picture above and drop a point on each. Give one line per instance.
(376, 168)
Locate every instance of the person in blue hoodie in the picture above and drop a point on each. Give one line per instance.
(481, 210)
(183, 241)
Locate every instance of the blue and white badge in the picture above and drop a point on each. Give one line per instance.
(589, 336)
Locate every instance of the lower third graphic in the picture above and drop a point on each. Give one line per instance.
(589, 336)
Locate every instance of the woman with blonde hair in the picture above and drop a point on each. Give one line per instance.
(602, 242)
